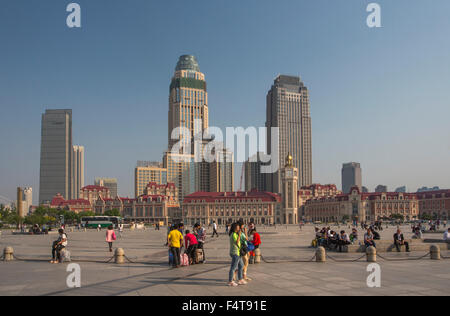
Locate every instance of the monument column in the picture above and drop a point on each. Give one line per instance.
(289, 179)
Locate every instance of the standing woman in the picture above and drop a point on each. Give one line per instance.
(236, 260)
(110, 237)
(245, 255)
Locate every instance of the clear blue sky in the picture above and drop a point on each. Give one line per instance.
(378, 96)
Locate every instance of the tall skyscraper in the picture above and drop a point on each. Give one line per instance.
(27, 199)
(181, 170)
(188, 100)
(288, 109)
(381, 188)
(401, 189)
(222, 172)
(351, 176)
(110, 183)
(146, 172)
(77, 171)
(56, 155)
(254, 179)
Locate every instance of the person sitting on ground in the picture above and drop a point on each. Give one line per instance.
(447, 235)
(191, 244)
(333, 240)
(368, 239)
(354, 235)
(344, 240)
(200, 234)
(58, 245)
(399, 240)
(376, 235)
(324, 237)
(418, 233)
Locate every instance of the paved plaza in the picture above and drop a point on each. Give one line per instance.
(285, 272)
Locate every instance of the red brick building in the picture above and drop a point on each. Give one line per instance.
(76, 206)
(435, 204)
(158, 204)
(368, 207)
(93, 192)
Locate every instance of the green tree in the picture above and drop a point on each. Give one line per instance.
(113, 212)
(398, 217)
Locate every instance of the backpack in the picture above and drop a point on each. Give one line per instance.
(184, 259)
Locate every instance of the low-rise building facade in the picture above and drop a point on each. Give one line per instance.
(435, 204)
(93, 192)
(159, 204)
(227, 207)
(358, 206)
(77, 206)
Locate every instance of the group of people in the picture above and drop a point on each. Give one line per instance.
(243, 243)
(62, 241)
(178, 238)
(332, 240)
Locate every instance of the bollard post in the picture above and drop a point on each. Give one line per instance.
(435, 252)
(371, 253)
(257, 255)
(8, 254)
(321, 254)
(119, 256)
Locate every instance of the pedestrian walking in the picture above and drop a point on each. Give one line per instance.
(110, 237)
(120, 230)
(215, 230)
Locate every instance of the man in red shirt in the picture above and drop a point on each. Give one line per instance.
(191, 244)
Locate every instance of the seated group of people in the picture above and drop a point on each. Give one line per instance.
(332, 240)
(336, 241)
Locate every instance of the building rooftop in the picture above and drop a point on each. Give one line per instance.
(250, 195)
(188, 62)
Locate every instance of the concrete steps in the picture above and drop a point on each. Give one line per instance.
(388, 246)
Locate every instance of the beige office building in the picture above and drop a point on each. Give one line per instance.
(221, 172)
(188, 100)
(181, 170)
(288, 109)
(110, 183)
(146, 172)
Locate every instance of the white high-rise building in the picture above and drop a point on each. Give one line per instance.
(27, 199)
(77, 171)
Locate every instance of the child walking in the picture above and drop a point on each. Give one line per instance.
(110, 237)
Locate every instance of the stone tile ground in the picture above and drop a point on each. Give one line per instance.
(152, 276)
